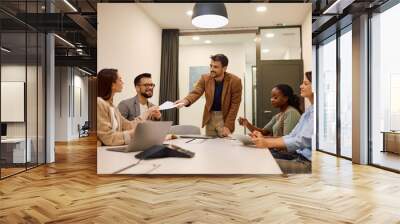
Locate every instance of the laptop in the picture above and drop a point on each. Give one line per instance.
(147, 134)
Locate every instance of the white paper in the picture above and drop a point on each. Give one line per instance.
(167, 105)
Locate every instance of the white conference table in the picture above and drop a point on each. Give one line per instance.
(212, 156)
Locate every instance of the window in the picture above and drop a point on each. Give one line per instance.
(327, 96)
(385, 89)
(346, 93)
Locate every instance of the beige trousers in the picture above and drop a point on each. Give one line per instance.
(215, 125)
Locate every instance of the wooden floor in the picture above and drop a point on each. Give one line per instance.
(386, 159)
(5, 172)
(69, 191)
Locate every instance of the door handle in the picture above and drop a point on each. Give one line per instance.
(267, 111)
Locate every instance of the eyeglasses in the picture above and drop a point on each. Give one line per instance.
(152, 85)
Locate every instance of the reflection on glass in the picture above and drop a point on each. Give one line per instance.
(385, 84)
(327, 97)
(22, 90)
(280, 44)
(13, 84)
(346, 94)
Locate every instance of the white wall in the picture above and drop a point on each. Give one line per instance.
(248, 93)
(200, 56)
(17, 73)
(34, 125)
(80, 114)
(250, 49)
(308, 62)
(68, 80)
(306, 37)
(128, 40)
(61, 96)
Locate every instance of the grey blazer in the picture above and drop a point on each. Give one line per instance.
(130, 108)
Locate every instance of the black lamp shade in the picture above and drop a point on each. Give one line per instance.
(209, 15)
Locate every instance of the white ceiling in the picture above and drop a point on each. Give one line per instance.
(241, 15)
(285, 43)
(218, 39)
(246, 40)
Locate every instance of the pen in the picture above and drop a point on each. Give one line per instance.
(190, 140)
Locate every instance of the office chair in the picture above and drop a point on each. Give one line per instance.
(84, 130)
(185, 130)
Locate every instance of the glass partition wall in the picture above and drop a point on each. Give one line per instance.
(334, 94)
(22, 87)
(327, 95)
(385, 90)
(345, 109)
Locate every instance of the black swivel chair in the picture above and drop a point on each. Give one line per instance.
(84, 130)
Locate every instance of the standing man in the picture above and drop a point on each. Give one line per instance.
(135, 106)
(223, 92)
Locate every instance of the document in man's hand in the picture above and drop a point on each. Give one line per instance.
(167, 105)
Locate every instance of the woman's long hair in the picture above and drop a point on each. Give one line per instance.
(105, 78)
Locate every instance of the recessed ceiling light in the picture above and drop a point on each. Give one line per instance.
(207, 42)
(261, 9)
(189, 13)
(269, 35)
(195, 38)
(265, 50)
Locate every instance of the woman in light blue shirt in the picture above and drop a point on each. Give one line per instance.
(293, 151)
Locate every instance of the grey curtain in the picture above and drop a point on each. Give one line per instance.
(169, 84)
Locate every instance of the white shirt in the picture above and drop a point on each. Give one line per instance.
(143, 108)
(114, 121)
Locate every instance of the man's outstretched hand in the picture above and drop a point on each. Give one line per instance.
(181, 103)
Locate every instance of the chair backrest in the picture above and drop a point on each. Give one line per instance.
(86, 125)
(185, 130)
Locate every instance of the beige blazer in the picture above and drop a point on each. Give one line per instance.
(105, 134)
